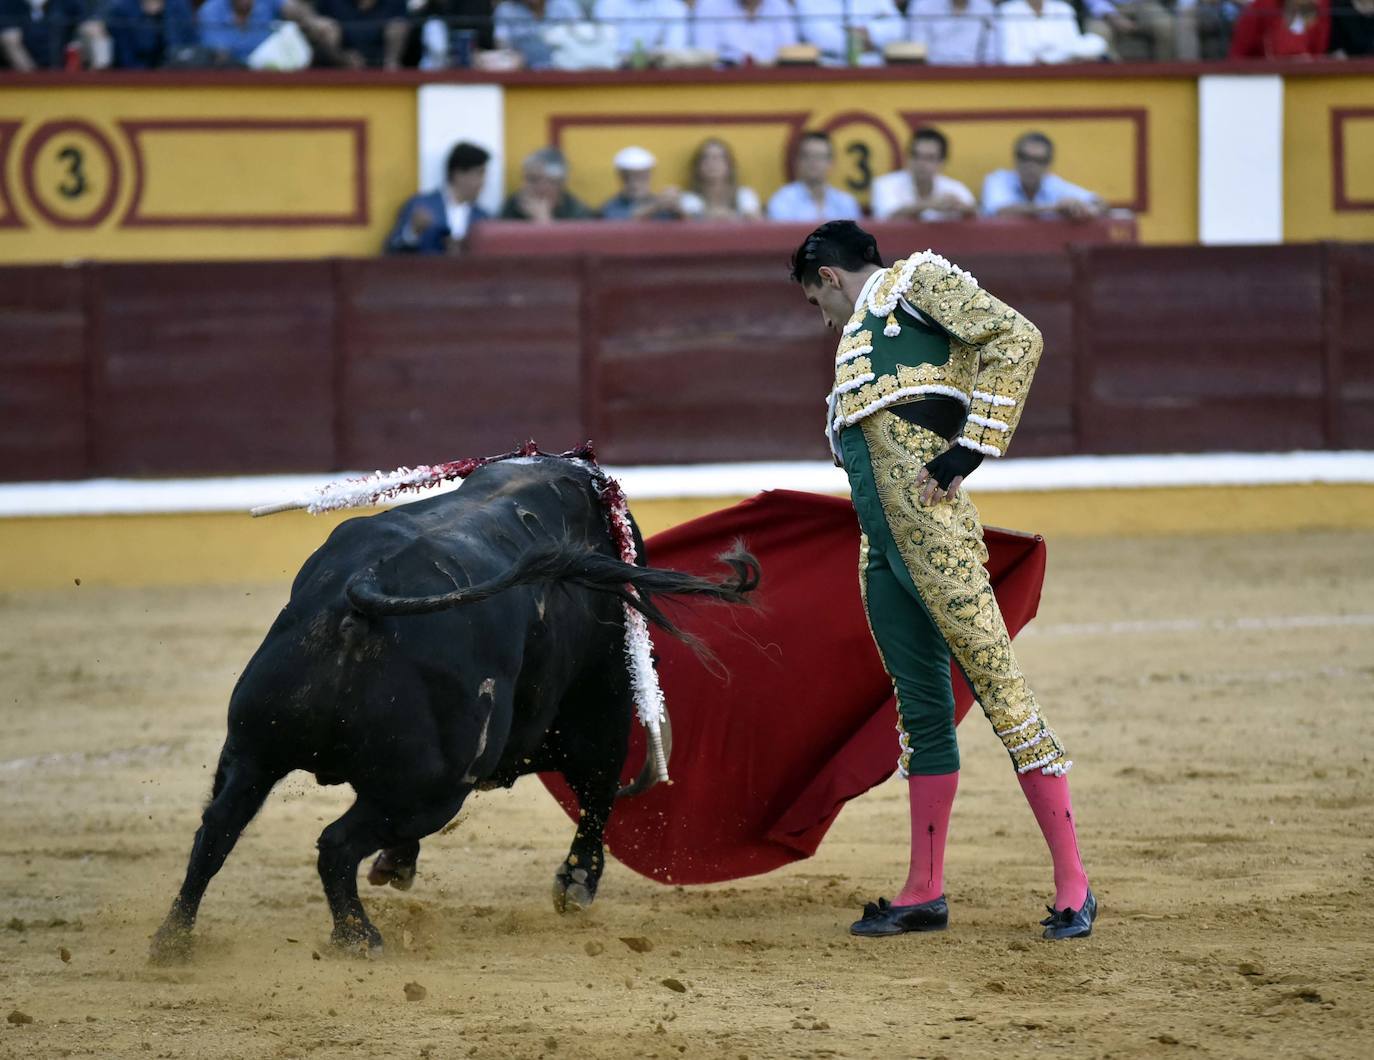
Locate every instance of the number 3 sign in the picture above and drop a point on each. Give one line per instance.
(71, 174)
(864, 149)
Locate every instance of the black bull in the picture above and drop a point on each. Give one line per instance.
(454, 643)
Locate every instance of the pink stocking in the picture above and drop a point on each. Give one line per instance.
(931, 800)
(1049, 801)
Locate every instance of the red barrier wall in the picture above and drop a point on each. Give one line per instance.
(43, 373)
(211, 368)
(1350, 346)
(1202, 348)
(456, 357)
(264, 367)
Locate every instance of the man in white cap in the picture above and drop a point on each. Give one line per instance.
(637, 201)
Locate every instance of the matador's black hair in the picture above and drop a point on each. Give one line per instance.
(839, 244)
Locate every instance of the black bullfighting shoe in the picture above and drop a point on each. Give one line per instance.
(883, 918)
(1071, 923)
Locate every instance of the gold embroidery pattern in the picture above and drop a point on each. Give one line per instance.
(852, 370)
(951, 378)
(1008, 345)
(903, 740)
(993, 348)
(942, 546)
(853, 345)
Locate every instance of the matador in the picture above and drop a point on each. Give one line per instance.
(931, 376)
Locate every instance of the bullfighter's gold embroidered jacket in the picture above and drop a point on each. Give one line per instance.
(922, 327)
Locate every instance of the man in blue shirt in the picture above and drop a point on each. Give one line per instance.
(809, 198)
(233, 29)
(1031, 190)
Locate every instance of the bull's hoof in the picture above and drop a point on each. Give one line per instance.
(385, 871)
(573, 889)
(171, 945)
(357, 939)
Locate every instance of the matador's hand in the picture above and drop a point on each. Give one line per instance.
(941, 478)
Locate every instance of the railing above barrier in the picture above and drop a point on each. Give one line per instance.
(632, 240)
(1307, 69)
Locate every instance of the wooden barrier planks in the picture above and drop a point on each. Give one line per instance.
(1202, 348)
(282, 366)
(706, 360)
(444, 358)
(1350, 338)
(211, 368)
(43, 408)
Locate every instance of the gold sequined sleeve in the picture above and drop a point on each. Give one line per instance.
(1008, 348)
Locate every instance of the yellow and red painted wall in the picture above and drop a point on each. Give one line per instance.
(213, 166)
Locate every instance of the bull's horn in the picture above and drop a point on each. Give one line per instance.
(649, 772)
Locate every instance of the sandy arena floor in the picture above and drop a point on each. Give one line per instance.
(1215, 692)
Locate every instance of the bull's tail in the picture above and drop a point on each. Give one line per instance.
(565, 562)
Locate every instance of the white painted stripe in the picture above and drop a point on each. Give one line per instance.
(1240, 159)
(1236, 677)
(1252, 624)
(126, 756)
(1016, 474)
(445, 114)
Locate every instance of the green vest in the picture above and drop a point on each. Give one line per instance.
(874, 370)
(917, 343)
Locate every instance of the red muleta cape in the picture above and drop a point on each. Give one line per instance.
(765, 755)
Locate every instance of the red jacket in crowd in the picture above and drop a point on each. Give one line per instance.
(1270, 29)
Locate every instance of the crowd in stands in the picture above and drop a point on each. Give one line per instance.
(609, 34)
(439, 221)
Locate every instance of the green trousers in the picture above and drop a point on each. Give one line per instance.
(928, 601)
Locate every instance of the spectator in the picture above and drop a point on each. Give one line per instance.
(34, 34)
(716, 194)
(1031, 190)
(745, 31)
(448, 33)
(955, 32)
(233, 30)
(1352, 28)
(644, 28)
(809, 198)
(437, 222)
(850, 31)
(1214, 21)
(150, 33)
(543, 195)
(522, 26)
(1044, 31)
(1282, 29)
(636, 200)
(361, 33)
(920, 192)
(1134, 30)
